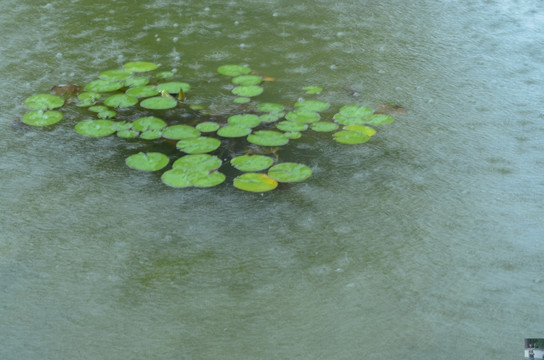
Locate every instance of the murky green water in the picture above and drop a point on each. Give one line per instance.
(425, 243)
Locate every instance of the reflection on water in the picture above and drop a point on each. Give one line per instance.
(422, 243)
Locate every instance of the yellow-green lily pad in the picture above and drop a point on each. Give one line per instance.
(350, 137)
(140, 66)
(207, 126)
(247, 91)
(44, 102)
(95, 128)
(233, 70)
(268, 138)
(121, 100)
(150, 161)
(233, 131)
(252, 162)
(244, 120)
(159, 103)
(255, 182)
(289, 172)
(104, 86)
(199, 145)
(42, 118)
(149, 123)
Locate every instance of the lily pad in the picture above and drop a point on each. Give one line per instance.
(233, 131)
(174, 87)
(303, 116)
(198, 145)
(352, 115)
(361, 128)
(128, 134)
(140, 66)
(121, 125)
(247, 80)
(324, 126)
(106, 114)
(159, 103)
(197, 162)
(379, 119)
(121, 100)
(178, 132)
(289, 172)
(312, 105)
(252, 162)
(95, 128)
(136, 81)
(204, 179)
(207, 126)
(149, 123)
(241, 100)
(313, 89)
(89, 95)
(150, 161)
(143, 91)
(270, 107)
(104, 86)
(44, 102)
(268, 138)
(271, 117)
(247, 91)
(233, 70)
(289, 125)
(244, 120)
(151, 134)
(98, 108)
(350, 137)
(177, 178)
(255, 182)
(292, 135)
(42, 118)
(117, 74)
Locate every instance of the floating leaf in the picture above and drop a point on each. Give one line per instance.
(268, 138)
(289, 125)
(121, 125)
(98, 108)
(289, 172)
(121, 100)
(241, 100)
(271, 117)
(89, 95)
(233, 131)
(252, 162)
(149, 123)
(204, 179)
(136, 81)
(255, 182)
(151, 161)
(151, 134)
(115, 74)
(127, 134)
(247, 80)
(233, 70)
(207, 126)
(379, 119)
(197, 162)
(312, 105)
(42, 118)
(361, 128)
(177, 178)
(140, 66)
(247, 91)
(352, 115)
(244, 120)
(270, 107)
(350, 137)
(324, 126)
(106, 114)
(44, 102)
(198, 145)
(178, 132)
(159, 103)
(303, 116)
(174, 87)
(104, 86)
(143, 91)
(95, 128)
(292, 135)
(313, 89)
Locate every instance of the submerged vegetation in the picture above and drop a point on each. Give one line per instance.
(247, 141)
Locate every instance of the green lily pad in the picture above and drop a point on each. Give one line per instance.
(244, 120)
(177, 178)
(42, 118)
(270, 107)
(151, 161)
(324, 126)
(140, 66)
(252, 162)
(121, 125)
(95, 128)
(104, 86)
(247, 80)
(292, 135)
(312, 105)
(159, 103)
(128, 134)
(303, 116)
(233, 70)
(350, 137)
(271, 117)
(268, 138)
(352, 115)
(115, 74)
(178, 132)
(44, 102)
(379, 119)
(313, 89)
(233, 131)
(148, 123)
(143, 91)
(288, 125)
(174, 87)
(198, 145)
(106, 114)
(361, 128)
(89, 95)
(121, 100)
(241, 100)
(151, 134)
(289, 172)
(98, 108)
(136, 81)
(247, 91)
(197, 162)
(205, 179)
(255, 182)
(207, 126)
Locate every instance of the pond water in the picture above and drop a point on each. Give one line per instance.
(426, 242)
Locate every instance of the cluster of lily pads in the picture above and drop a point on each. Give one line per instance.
(265, 125)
